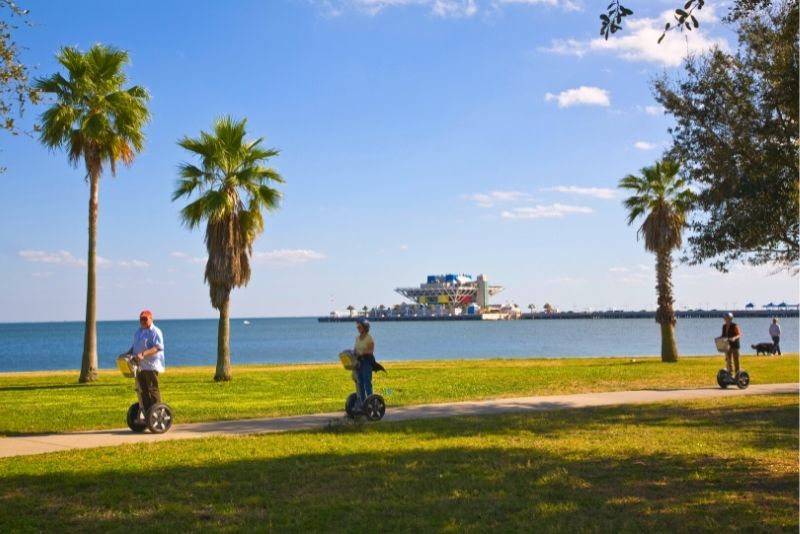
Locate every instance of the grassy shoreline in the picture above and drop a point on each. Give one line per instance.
(666, 467)
(53, 401)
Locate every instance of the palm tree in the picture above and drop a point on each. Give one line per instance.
(664, 200)
(94, 119)
(233, 188)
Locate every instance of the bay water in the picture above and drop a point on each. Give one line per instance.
(59, 345)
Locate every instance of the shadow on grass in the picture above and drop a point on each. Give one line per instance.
(76, 385)
(758, 427)
(413, 476)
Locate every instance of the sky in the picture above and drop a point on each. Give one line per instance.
(416, 137)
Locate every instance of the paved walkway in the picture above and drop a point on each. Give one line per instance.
(42, 443)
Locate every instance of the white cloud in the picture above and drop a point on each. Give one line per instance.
(62, 257)
(492, 198)
(644, 145)
(440, 8)
(566, 5)
(639, 41)
(651, 110)
(637, 274)
(544, 212)
(582, 96)
(596, 192)
(567, 47)
(190, 259)
(121, 264)
(288, 256)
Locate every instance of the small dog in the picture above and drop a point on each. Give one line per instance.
(766, 348)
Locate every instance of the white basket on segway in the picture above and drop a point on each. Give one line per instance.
(722, 344)
(374, 406)
(158, 418)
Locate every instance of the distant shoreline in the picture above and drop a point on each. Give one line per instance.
(614, 314)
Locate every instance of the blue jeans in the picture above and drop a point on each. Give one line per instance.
(364, 386)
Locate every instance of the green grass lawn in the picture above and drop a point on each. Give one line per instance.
(727, 464)
(55, 402)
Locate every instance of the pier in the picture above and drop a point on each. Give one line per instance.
(542, 316)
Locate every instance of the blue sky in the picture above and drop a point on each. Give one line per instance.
(416, 137)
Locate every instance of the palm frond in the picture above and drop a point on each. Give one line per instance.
(93, 116)
(231, 181)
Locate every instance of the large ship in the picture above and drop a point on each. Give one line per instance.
(452, 291)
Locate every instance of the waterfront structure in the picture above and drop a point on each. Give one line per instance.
(452, 291)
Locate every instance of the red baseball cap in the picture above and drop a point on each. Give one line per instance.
(146, 313)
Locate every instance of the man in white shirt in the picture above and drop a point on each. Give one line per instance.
(148, 351)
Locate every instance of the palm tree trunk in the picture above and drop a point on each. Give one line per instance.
(223, 344)
(89, 359)
(665, 314)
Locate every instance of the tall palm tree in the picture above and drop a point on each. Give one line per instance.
(664, 200)
(94, 119)
(232, 185)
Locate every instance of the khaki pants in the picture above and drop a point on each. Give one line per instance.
(734, 354)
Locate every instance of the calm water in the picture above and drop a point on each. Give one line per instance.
(50, 346)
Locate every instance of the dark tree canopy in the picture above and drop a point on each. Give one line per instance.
(736, 134)
(15, 89)
(683, 16)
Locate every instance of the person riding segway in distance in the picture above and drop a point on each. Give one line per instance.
(364, 350)
(732, 331)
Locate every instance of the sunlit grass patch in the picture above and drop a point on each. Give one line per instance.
(662, 467)
(55, 402)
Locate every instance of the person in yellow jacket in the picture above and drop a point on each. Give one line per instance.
(365, 354)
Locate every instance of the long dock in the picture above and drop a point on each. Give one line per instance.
(611, 314)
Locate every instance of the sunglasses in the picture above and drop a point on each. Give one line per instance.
(142, 319)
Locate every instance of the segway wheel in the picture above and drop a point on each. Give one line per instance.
(350, 405)
(135, 418)
(743, 379)
(159, 418)
(722, 378)
(375, 407)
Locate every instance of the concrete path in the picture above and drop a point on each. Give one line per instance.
(43, 443)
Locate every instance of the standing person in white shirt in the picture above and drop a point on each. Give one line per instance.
(775, 333)
(148, 351)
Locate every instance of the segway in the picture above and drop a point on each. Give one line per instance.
(724, 377)
(158, 418)
(374, 406)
